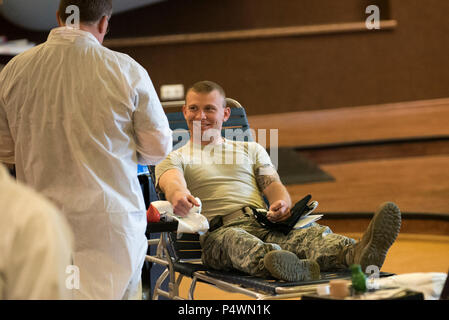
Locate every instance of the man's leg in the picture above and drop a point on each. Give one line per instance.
(316, 243)
(229, 248)
(238, 246)
(333, 251)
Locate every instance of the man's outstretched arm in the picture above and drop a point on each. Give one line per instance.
(173, 184)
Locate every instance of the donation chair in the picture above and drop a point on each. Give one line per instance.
(181, 257)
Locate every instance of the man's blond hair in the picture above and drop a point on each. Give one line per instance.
(207, 87)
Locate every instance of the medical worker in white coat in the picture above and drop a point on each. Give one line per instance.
(76, 118)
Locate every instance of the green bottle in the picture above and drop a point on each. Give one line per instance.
(358, 278)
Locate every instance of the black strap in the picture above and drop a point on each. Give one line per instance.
(298, 210)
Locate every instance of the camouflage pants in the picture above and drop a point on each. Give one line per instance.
(243, 243)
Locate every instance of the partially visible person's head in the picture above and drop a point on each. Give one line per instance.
(91, 11)
(93, 17)
(206, 105)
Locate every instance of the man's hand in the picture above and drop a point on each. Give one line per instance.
(279, 211)
(173, 184)
(182, 203)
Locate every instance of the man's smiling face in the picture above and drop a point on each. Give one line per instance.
(207, 110)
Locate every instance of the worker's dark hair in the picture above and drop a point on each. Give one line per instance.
(208, 87)
(91, 11)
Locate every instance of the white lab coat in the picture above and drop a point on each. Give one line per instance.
(35, 245)
(76, 118)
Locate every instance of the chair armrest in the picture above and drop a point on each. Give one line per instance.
(162, 226)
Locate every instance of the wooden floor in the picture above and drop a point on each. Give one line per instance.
(410, 253)
(417, 184)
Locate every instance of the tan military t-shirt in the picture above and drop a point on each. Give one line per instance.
(222, 176)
